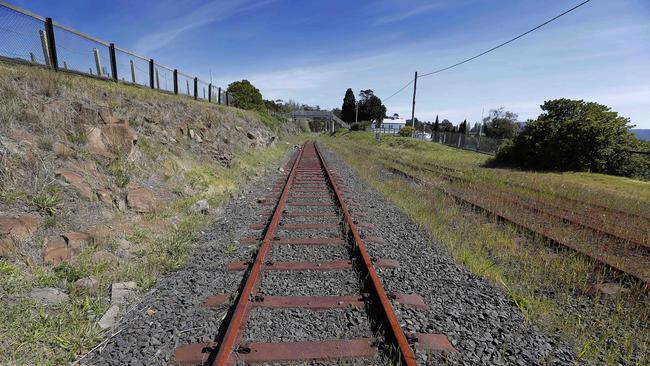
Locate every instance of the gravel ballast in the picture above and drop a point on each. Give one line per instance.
(477, 317)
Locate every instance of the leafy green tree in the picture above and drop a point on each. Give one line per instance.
(349, 105)
(501, 124)
(371, 107)
(446, 126)
(246, 96)
(575, 135)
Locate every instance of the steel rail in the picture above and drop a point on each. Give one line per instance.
(394, 330)
(519, 225)
(577, 219)
(244, 305)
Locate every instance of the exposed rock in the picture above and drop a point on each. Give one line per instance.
(119, 137)
(87, 283)
(281, 170)
(238, 129)
(23, 136)
(225, 158)
(57, 250)
(108, 118)
(120, 202)
(201, 206)
(198, 138)
(611, 289)
(95, 143)
(192, 134)
(49, 296)
(251, 135)
(109, 318)
(62, 151)
(122, 291)
(20, 226)
(104, 256)
(6, 246)
(141, 200)
(105, 195)
(77, 240)
(76, 181)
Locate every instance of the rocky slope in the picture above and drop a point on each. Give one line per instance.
(102, 183)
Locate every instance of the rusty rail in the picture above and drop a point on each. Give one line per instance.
(310, 178)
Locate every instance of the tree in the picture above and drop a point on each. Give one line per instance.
(371, 107)
(245, 95)
(501, 124)
(337, 112)
(436, 124)
(462, 128)
(446, 126)
(576, 135)
(348, 109)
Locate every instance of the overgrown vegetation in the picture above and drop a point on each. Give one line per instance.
(246, 96)
(42, 109)
(553, 288)
(574, 135)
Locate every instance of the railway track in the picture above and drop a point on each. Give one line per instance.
(310, 198)
(616, 225)
(623, 257)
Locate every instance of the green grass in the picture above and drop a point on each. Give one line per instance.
(539, 280)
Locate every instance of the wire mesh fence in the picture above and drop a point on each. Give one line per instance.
(131, 67)
(472, 142)
(20, 36)
(31, 38)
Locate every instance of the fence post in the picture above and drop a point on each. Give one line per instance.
(210, 92)
(219, 100)
(175, 81)
(98, 62)
(151, 84)
(51, 44)
(46, 51)
(196, 87)
(132, 71)
(32, 57)
(227, 99)
(111, 52)
(157, 79)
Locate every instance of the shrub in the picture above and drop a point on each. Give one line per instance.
(406, 131)
(574, 135)
(359, 126)
(246, 95)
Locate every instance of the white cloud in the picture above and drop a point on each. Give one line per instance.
(210, 12)
(406, 13)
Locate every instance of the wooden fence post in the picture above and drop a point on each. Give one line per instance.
(98, 62)
(151, 80)
(46, 52)
(219, 100)
(210, 92)
(196, 87)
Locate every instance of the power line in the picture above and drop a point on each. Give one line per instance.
(400, 89)
(493, 48)
(506, 42)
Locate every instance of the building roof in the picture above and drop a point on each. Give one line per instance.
(393, 120)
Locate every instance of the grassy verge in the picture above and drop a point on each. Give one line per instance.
(549, 285)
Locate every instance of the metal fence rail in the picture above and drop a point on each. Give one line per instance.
(474, 142)
(30, 38)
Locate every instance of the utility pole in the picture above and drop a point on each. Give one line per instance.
(415, 86)
(356, 112)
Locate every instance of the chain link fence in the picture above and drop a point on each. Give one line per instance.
(474, 142)
(26, 37)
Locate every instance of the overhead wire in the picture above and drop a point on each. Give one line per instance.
(493, 48)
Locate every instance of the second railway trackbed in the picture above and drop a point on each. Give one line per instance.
(312, 191)
(621, 256)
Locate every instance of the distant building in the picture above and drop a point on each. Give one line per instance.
(392, 124)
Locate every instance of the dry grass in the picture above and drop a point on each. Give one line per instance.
(552, 287)
(44, 106)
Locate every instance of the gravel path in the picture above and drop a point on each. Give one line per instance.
(477, 317)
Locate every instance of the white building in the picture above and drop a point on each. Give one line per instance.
(392, 124)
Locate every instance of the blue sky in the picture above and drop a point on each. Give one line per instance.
(312, 51)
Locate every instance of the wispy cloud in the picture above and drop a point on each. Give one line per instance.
(398, 16)
(210, 12)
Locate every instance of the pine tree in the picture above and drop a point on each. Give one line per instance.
(349, 106)
(436, 124)
(462, 128)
